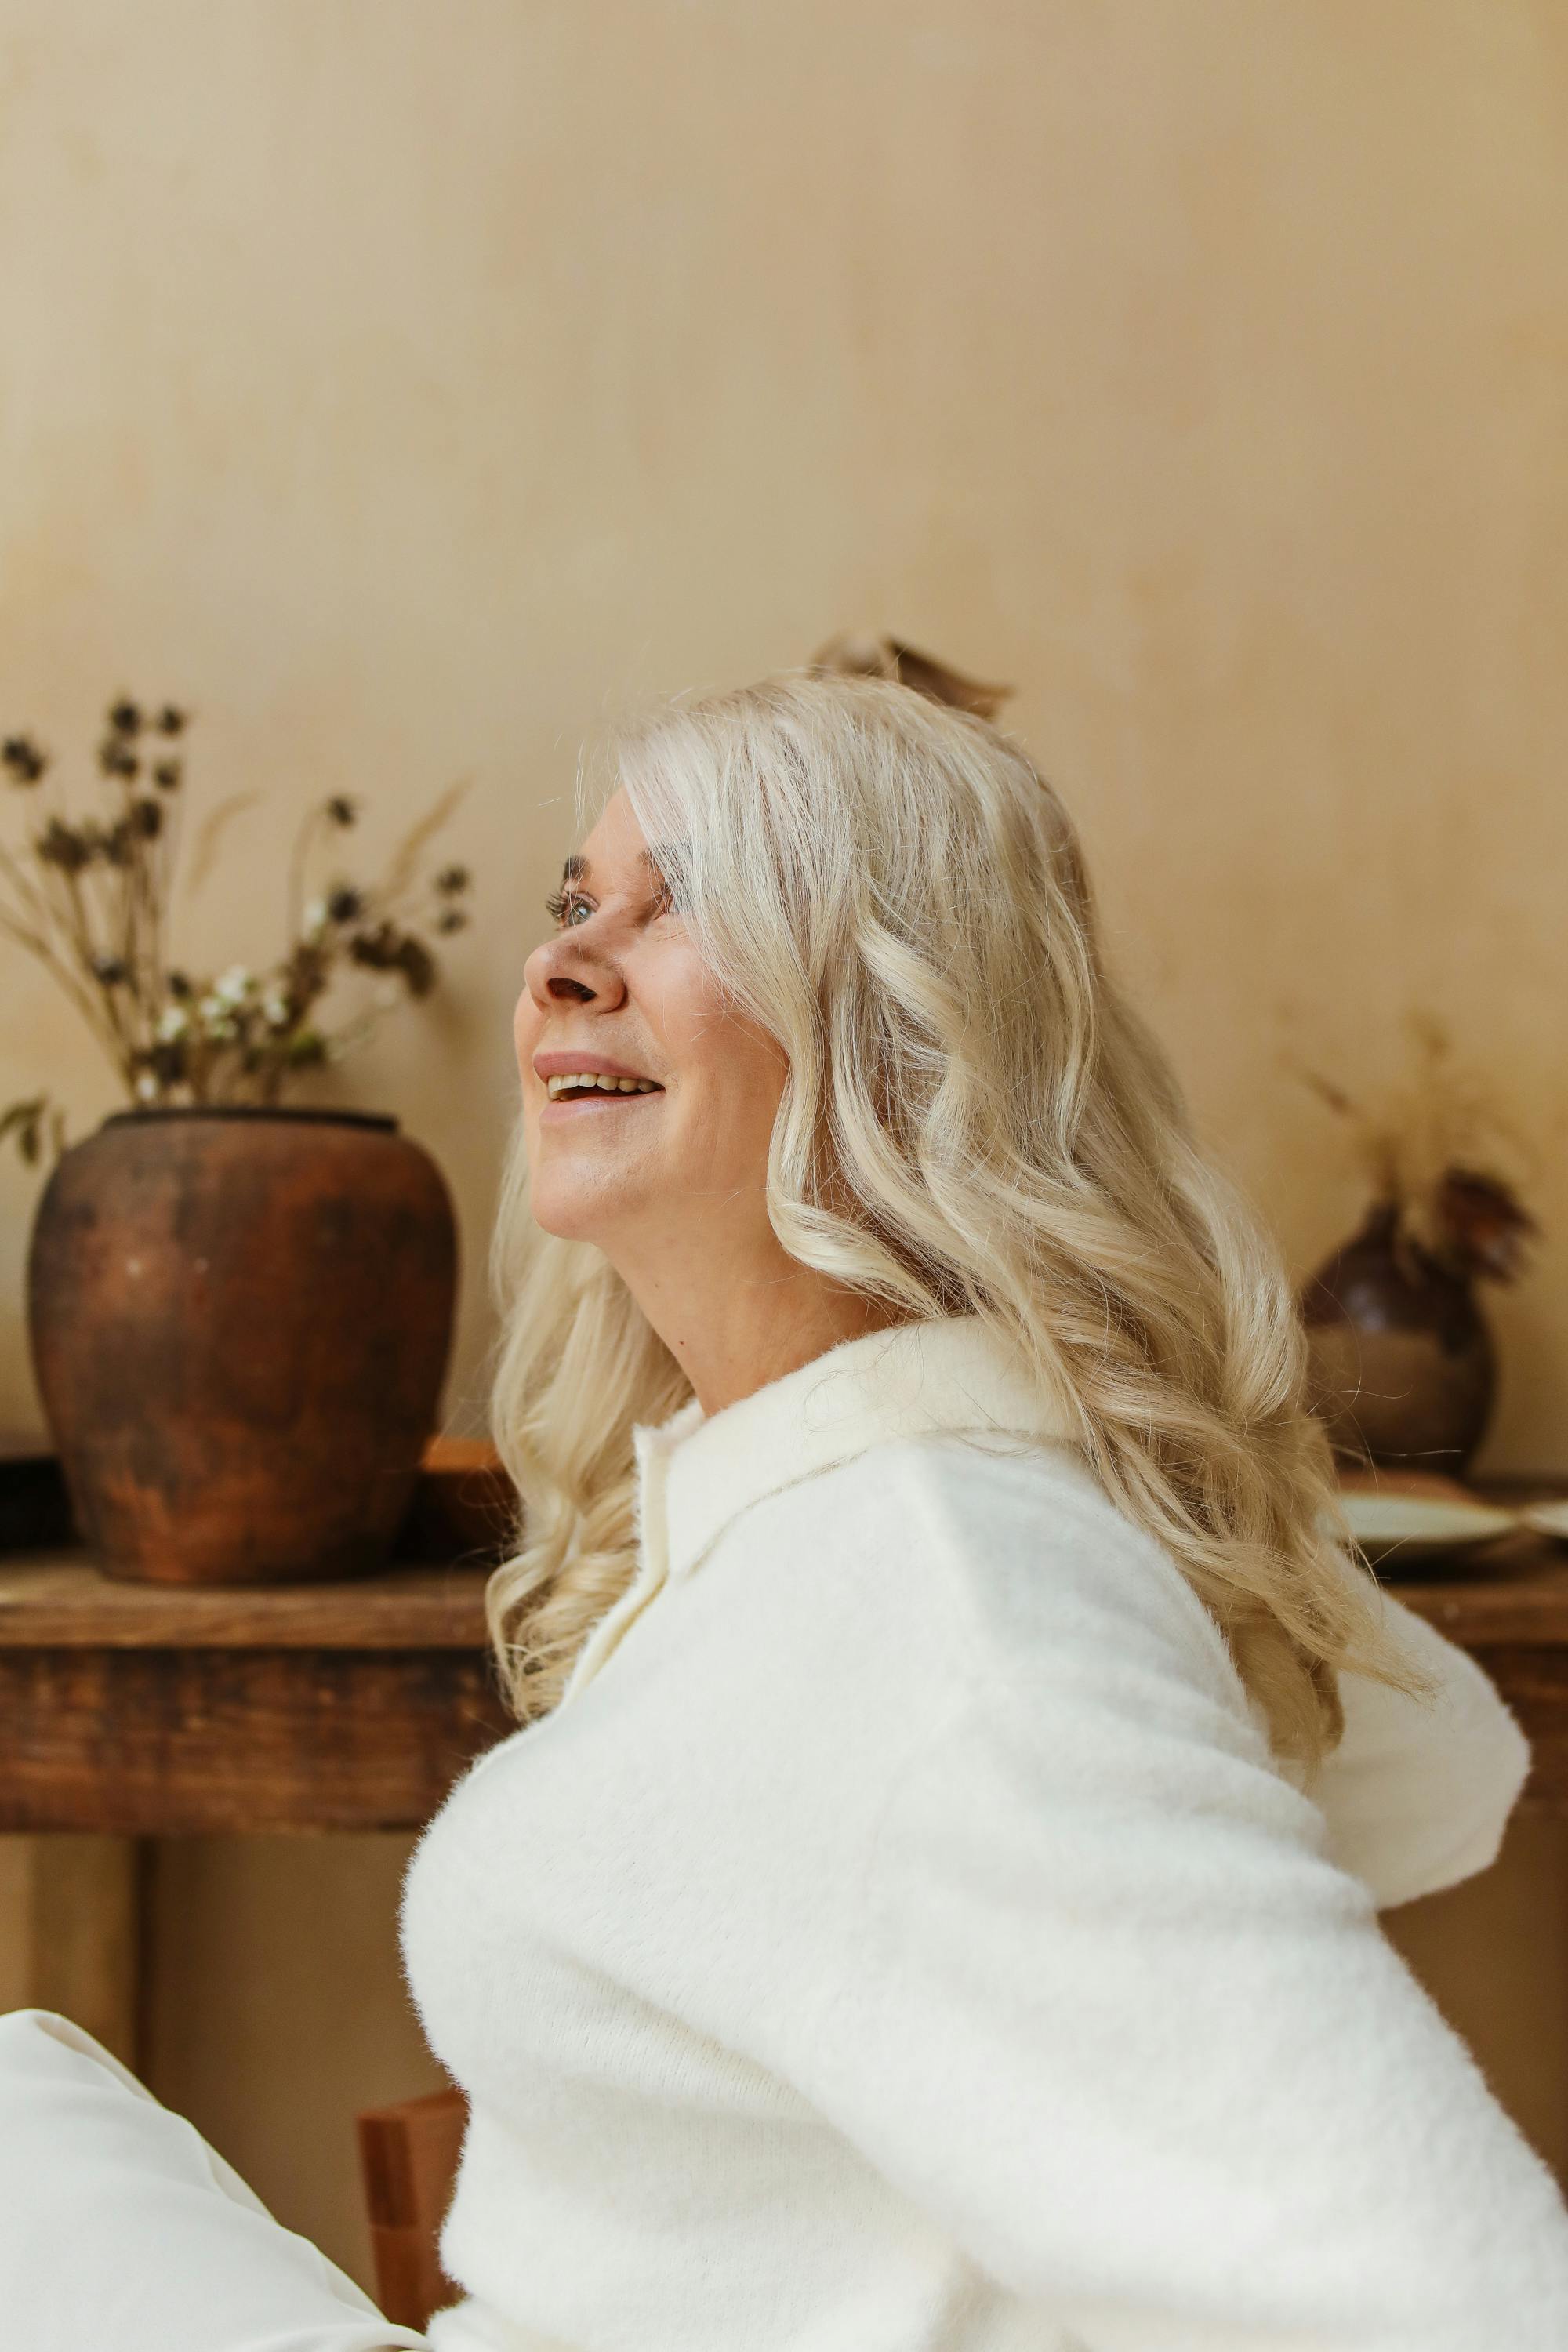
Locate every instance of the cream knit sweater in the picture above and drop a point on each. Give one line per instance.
(899, 1939)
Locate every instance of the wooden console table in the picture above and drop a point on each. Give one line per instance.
(158, 1710)
(129, 1712)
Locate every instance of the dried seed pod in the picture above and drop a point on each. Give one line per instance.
(21, 757)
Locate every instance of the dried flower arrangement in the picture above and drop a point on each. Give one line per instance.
(90, 897)
(1432, 1151)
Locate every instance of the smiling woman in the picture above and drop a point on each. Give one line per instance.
(650, 1098)
(847, 932)
(931, 1899)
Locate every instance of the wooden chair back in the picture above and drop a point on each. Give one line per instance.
(408, 2163)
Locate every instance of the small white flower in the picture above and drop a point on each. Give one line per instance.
(172, 1022)
(146, 1087)
(315, 918)
(275, 1012)
(218, 1025)
(235, 986)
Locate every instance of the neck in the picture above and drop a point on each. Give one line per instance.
(732, 1328)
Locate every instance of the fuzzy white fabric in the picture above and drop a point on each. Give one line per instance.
(899, 1939)
(121, 2231)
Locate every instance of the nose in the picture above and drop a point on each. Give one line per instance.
(574, 969)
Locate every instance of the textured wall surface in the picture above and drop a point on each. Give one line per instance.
(409, 388)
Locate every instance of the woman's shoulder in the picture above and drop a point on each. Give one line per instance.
(1002, 1555)
(1006, 1571)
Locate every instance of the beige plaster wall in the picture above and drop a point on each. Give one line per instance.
(406, 388)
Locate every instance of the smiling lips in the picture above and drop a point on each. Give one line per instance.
(583, 1085)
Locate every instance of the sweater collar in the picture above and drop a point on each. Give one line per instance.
(952, 1374)
(695, 1474)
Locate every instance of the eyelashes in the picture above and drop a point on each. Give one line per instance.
(562, 905)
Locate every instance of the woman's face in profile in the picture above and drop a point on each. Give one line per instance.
(617, 994)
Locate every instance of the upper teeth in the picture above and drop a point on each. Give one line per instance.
(610, 1086)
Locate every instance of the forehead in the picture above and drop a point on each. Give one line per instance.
(616, 845)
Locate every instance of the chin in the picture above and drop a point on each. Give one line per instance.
(567, 1228)
(570, 1204)
(555, 1211)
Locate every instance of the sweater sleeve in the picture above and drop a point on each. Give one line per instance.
(1418, 1791)
(1122, 2023)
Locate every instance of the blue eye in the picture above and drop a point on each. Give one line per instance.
(565, 908)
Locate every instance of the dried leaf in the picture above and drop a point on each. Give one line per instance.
(417, 965)
(1478, 1224)
(406, 857)
(1327, 1091)
(1437, 1148)
(890, 658)
(377, 950)
(63, 845)
(204, 856)
(23, 1121)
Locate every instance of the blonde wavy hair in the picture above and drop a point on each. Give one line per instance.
(974, 1121)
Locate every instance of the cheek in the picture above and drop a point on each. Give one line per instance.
(737, 1076)
(759, 1085)
(730, 1070)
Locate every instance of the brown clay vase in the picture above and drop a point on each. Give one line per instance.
(1403, 1367)
(240, 1325)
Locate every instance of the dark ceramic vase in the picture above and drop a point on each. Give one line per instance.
(1403, 1369)
(240, 1324)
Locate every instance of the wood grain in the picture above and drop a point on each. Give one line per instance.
(60, 1601)
(174, 1741)
(1523, 1607)
(408, 2161)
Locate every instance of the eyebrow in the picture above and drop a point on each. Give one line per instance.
(576, 869)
